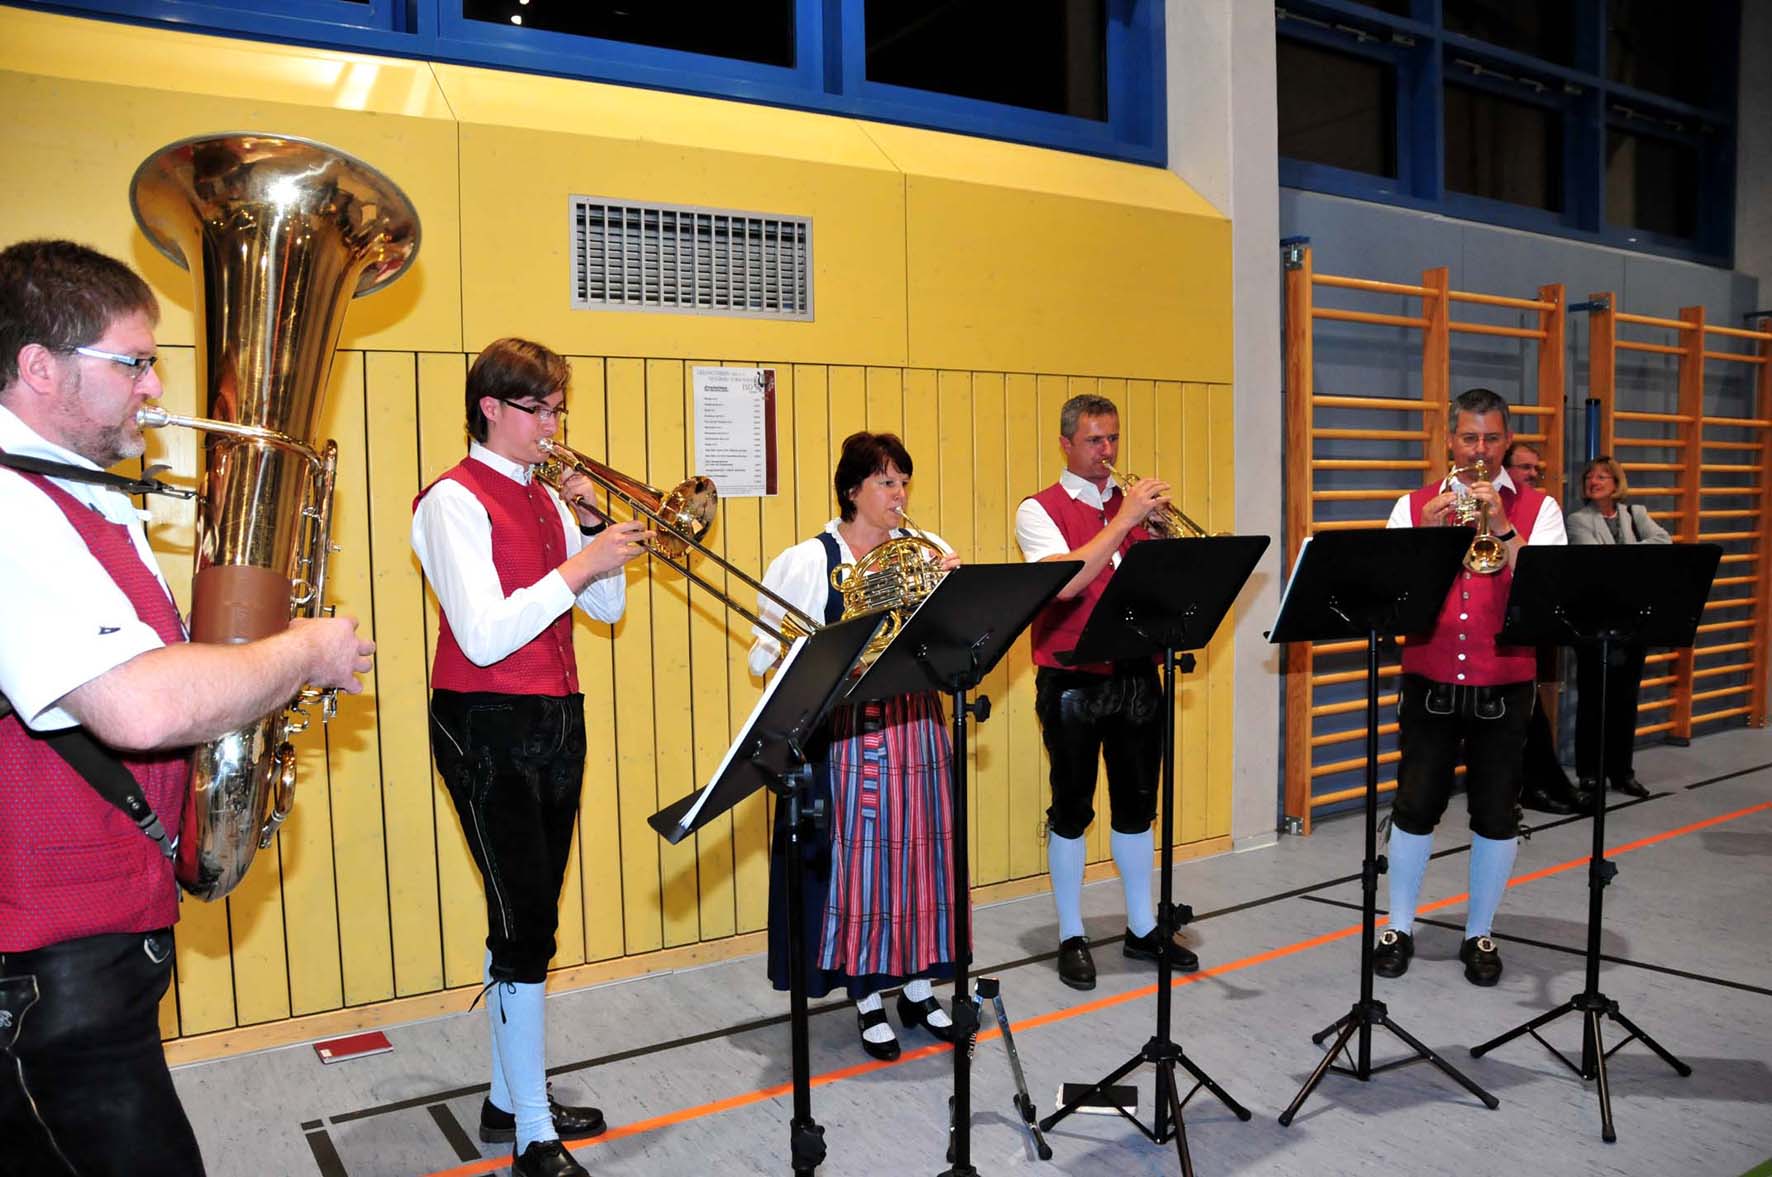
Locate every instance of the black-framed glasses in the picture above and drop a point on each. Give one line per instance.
(138, 366)
(544, 412)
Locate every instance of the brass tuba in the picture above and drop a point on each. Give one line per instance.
(279, 234)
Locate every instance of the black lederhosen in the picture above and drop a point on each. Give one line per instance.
(1433, 720)
(83, 1078)
(1118, 718)
(513, 765)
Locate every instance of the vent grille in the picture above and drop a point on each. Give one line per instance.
(662, 257)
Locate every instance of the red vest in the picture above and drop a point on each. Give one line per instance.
(1058, 626)
(528, 542)
(1462, 648)
(71, 865)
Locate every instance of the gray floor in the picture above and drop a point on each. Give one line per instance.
(1686, 940)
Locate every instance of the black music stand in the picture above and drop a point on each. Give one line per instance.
(1167, 596)
(1370, 583)
(1599, 597)
(771, 752)
(955, 638)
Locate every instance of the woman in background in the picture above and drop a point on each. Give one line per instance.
(1608, 519)
(879, 881)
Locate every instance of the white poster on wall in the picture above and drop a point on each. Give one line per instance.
(735, 429)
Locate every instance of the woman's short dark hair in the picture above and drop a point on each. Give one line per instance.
(513, 370)
(62, 295)
(865, 454)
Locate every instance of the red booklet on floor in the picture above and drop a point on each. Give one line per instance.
(337, 1050)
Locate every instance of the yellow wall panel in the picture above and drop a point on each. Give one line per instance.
(992, 543)
(813, 496)
(401, 674)
(598, 860)
(1194, 724)
(1024, 434)
(1221, 516)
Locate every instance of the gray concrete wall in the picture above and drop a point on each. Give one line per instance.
(1222, 142)
(1753, 158)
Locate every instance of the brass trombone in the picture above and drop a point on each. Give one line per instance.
(683, 517)
(1166, 522)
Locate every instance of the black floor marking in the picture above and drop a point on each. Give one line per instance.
(465, 1149)
(325, 1156)
(1570, 950)
(977, 970)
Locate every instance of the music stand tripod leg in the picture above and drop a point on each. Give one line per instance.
(989, 988)
(805, 1136)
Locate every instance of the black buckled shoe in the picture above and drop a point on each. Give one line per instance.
(916, 1013)
(884, 1051)
(1076, 967)
(1545, 801)
(547, 1158)
(570, 1123)
(1147, 946)
(1393, 952)
(1482, 963)
(1631, 786)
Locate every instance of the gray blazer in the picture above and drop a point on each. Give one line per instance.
(1588, 526)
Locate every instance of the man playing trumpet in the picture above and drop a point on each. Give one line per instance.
(508, 561)
(1114, 711)
(1460, 687)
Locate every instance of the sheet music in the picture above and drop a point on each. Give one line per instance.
(687, 821)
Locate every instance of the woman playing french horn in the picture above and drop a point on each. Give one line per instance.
(885, 773)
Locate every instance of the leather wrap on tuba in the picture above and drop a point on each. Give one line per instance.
(279, 234)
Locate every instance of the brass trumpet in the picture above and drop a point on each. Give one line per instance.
(1166, 522)
(1487, 555)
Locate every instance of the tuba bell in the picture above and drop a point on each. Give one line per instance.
(279, 234)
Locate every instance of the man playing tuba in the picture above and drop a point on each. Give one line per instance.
(508, 560)
(95, 663)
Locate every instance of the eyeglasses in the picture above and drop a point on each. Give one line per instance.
(541, 411)
(138, 366)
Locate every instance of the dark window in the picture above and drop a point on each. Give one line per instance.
(761, 31)
(1541, 28)
(1046, 55)
(1651, 183)
(1337, 109)
(1394, 7)
(1669, 48)
(1503, 149)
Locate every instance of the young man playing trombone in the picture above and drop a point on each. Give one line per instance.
(508, 560)
(1114, 711)
(1460, 687)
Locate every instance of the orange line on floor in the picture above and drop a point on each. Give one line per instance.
(746, 1099)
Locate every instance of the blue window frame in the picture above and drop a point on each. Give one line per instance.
(1621, 165)
(828, 72)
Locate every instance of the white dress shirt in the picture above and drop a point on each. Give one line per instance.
(452, 535)
(63, 620)
(1546, 530)
(800, 575)
(1038, 533)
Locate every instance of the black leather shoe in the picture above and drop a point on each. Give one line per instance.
(570, 1123)
(1393, 952)
(1543, 800)
(1076, 967)
(884, 1051)
(1631, 786)
(916, 1013)
(1482, 963)
(1147, 946)
(547, 1158)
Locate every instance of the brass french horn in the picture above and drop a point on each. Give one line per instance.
(279, 234)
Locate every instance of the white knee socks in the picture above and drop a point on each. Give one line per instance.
(516, 1011)
(920, 990)
(1132, 856)
(1492, 861)
(1064, 858)
(1408, 855)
